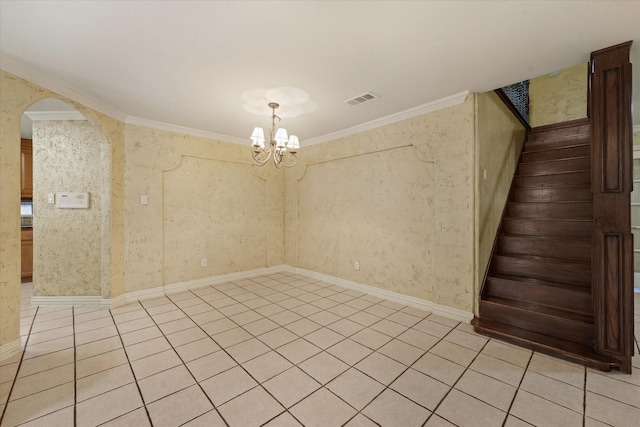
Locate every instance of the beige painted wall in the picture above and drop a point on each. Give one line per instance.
(555, 99)
(499, 140)
(398, 199)
(68, 242)
(16, 95)
(205, 200)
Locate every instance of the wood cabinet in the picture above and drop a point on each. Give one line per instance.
(26, 168)
(27, 254)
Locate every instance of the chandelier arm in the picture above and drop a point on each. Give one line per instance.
(257, 157)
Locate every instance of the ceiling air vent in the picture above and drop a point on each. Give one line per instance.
(364, 97)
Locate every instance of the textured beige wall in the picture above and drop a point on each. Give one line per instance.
(499, 140)
(205, 200)
(398, 199)
(67, 242)
(16, 95)
(555, 99)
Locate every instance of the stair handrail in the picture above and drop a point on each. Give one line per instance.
(514, 110)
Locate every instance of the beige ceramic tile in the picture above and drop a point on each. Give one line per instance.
(147, 348)
(37, 405)
(466, 411)
(266, 366)
(108, 406)
(487, 389)
(252, 408)
(509, 353)
(291, 386)
(93, 385)
(355, 388)
(542, 412)
(210, 365)
(147, 366)
(283, 420)
(436, 421)
(303, 327)
(613, 388)
(556, 391)
(100, 362)
(232, 336)
(63, 417)
(569, 373)
(391, 408)
(41, 381)
(164, 383)
(208, 419)
(324, 338)
(498, 369)
(197, 349)
(349, 351)
(611, 411)
(40, 364)
(227, 385)
(141, 335)
(298, 350)
(381, 368)
(323, 367)
(277, 337)
(439, 368)
(322, 409)
(420, 388)
(402, 352)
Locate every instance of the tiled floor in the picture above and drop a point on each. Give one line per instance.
(286, 350)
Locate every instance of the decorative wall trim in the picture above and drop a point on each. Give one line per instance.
(10, 349)
(441, 310)
(439, 104)
(160, 291)
(36, 116)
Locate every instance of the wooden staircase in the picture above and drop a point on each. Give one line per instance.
(537, 291)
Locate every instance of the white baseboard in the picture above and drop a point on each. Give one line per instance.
(173, 288)
(10, 349)
(71, 300)
(441, 310)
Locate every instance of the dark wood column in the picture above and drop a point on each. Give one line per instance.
(612, 183)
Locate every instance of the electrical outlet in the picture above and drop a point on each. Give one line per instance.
(356, 265)
(203, 262)
(143, 199)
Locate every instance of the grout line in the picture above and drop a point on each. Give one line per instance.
(132, 371)
(15, 377)
(526, 369)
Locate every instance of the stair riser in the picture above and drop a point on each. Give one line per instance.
(537, 227)
(575, 274)
(543, 181)
(561, 153)
(568, 329)
(550, 296)
(577, 210)
(552, 194)
(555, 166)
(551, 248)
(580, 131)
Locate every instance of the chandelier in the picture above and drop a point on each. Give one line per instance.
(282, 148)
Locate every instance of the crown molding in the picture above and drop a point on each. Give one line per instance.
(43, 79)
(185, 130)
(439, 104)
(54, 115)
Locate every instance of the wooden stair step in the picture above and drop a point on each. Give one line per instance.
(547, 227)
(548, 167)
(558, 246)
(530, 154)
(576, 353)
(569, 326)
(550, 210)
(562, 179)
(570, 129)
(581, 193)
(551, 294)
(537, 144)
(551, 269)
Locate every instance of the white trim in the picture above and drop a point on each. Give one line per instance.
(70, 300)
(43, 79)
(186, 130)
(173, 288)
(636, 128)
(439, 104)
(10, 349)
(36, 116)
(135, 296)
(441, 310)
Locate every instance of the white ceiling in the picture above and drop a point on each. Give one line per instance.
(189, 63)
